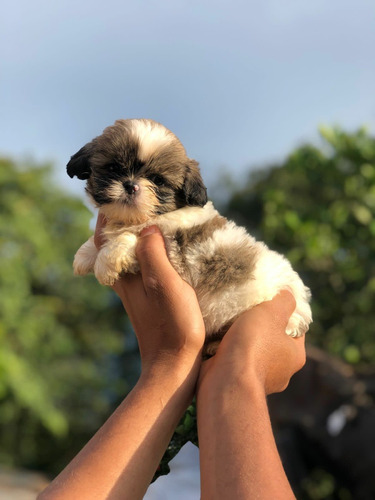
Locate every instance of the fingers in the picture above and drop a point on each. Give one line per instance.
(285, 304)
(299, 353)
(150, 250)
(285, 301)
(152, 257)
(280, 308)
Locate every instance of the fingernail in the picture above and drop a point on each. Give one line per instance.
(149, 230)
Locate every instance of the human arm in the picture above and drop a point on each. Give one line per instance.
(238, 454)
(120, 460)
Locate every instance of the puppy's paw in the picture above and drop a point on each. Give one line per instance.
(106, 278)
(293, 332)
(297, 326)
(104, 270)
(116, 257)
(84, 259)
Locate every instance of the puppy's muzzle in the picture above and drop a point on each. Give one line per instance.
(130, 187)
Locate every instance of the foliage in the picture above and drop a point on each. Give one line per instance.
(60, 336)
(317, 207)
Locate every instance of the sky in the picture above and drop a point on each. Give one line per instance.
(240, 82)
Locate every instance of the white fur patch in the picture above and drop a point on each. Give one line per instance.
(185, 217)
(168, 223)
(151, 136)
(85, 258)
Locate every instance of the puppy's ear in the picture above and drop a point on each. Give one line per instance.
(79, 164)
(194, 190)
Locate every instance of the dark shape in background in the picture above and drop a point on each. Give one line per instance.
(324, 428)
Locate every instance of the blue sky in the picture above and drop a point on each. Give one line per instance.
(240, 82)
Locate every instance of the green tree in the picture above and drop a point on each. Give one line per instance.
(317, 207)
(60, 336)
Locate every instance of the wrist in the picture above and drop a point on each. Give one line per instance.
(179, 360)
(214, 381)
(171, 373)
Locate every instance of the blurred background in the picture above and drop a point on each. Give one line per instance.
(276, 101)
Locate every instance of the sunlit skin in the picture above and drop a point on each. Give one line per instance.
(238, 454)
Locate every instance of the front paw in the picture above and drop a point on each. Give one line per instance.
(105, 270)
(85, 258)
(112, 262)
(297, 326)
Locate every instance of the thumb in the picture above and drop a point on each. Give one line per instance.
(283, 305)
(152, 257)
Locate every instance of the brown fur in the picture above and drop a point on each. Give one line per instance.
(229, 266)
(198, 233)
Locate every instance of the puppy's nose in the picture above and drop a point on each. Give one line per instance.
(130, 187)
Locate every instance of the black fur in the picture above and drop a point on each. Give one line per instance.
(79, 164)
(195, 192)
(98, 188)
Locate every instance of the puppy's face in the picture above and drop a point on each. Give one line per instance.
(138, 169)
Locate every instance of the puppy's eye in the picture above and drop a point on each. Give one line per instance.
(113, 168)
(157, 180)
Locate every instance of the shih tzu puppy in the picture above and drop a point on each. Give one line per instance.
(138, 174)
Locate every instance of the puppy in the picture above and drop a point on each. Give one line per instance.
(138, 174)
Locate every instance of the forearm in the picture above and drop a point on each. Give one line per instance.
(239, 458)
(121, 459)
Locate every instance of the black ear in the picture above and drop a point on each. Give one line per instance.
(79, 164)
(194, 189)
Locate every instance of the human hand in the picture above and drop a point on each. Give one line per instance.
(255, 358)
(256, 349)
(162, 307)
(120, 460)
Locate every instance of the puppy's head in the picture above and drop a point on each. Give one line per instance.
(138, 169)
